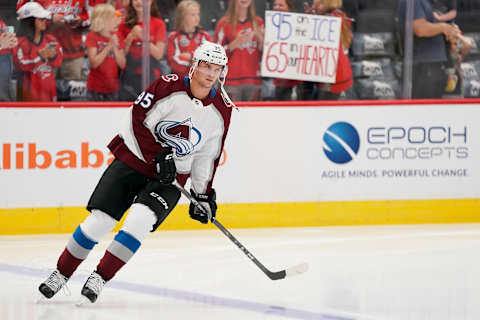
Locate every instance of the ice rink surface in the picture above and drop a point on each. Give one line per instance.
(381, 272)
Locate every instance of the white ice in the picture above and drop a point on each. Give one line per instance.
(375, 272)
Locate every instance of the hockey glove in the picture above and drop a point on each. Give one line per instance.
(165, 166)
(207, 201)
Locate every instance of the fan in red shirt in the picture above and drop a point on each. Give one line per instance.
(37, 54)
(344, 77)
(240, 31)
(186, 37)
(105, 53)
(131, 32)
(68, 21)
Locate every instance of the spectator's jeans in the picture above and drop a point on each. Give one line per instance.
(5, 77)
(428, 80)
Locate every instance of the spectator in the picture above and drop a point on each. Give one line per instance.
(8, 40)
(37, 54)
(241, 32)
(284, 87)
(105, 53)
(131, 31)
(70, 18)
(446, 11)
(429, 50)
(186, 37)
(344, 77)
(459, 47)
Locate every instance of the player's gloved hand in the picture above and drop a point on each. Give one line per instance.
(208, 204)
(165, 166)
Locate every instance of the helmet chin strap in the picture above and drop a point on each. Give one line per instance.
(192, 69)
(224, 94)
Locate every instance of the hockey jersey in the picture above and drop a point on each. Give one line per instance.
(39, 75)
(69, 38)
(244, 62)
(180, 42)
(167, 114)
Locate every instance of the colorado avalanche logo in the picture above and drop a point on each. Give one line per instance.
(182, 136)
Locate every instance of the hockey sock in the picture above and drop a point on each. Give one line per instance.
(85, 237)
(138, 223)
(77, 250)
(122, 249)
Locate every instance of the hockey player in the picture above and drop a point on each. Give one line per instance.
(175, 126)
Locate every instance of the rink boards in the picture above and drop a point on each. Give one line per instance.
(302, 164)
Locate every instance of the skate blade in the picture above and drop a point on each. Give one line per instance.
(83, 301)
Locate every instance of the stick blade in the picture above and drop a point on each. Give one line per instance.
(296, 270)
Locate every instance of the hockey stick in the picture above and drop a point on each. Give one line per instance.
(292, 271)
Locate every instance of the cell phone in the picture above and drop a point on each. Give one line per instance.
(69, 18)
(9, 29)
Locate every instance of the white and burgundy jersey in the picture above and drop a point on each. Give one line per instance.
(167, 114)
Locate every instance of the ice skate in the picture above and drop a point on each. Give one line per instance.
(53, 284)
(92, 288)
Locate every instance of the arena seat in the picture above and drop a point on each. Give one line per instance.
(375, 20)
(379, 44)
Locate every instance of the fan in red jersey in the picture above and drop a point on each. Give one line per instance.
(240, 31)
(186, 37)
(70, 18)
(37, 54)
(176, 130)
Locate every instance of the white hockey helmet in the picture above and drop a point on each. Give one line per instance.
(212, 52)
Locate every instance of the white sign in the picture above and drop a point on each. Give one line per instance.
(301, 46)
(353, 153)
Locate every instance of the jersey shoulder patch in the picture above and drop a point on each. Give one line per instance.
(170, 77)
